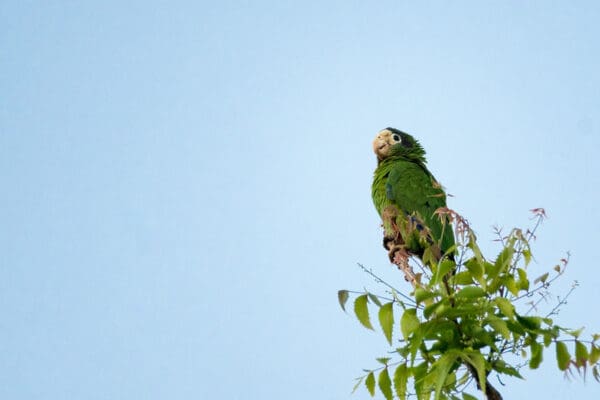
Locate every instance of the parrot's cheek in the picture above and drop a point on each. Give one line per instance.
(380, 148)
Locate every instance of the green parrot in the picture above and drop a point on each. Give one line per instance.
(406, 196)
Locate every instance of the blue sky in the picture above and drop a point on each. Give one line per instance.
(186, 185)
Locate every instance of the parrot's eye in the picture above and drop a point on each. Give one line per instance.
(396, 138)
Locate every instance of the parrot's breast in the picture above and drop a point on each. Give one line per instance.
(379, 188)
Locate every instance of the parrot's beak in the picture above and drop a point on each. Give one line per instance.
(381, 144)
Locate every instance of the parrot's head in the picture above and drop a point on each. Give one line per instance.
(393, 142)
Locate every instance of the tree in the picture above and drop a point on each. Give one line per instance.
(469, 318)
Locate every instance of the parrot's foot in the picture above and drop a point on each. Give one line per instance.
(395, 251)
(399, 256)
(388, 242)
(391, 241)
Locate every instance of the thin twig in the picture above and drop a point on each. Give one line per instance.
(563, 301)
(379, 280)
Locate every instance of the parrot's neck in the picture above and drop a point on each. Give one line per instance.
(416, 154)
(414, 158)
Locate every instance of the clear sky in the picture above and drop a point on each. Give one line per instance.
(186, 185)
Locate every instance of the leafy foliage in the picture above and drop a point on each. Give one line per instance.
(467, 319)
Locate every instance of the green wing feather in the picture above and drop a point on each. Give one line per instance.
(414, 190)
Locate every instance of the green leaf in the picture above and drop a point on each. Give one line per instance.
(385, 384)
(504, 368)
(443, 269)
(529, 323)
(419, 372)
(463, 278)
(362, 311)
(450, 384)
(503, 260)
(481, 336)
(575, 332)
(523, 281)
(400, 380)
(416, 342)
(470, 292)
(384, 360)
(562, 356)
(386, 320)
(515, 328)
(557, 268)
(505, 306)
(581, 354)
(358, 382)
(409, 322)
(442, 367)
(511, 285)
(499, 326)
(430, 309)
(489, 268)
(428, 257)
(467, 396)
(422, 294)
(374, 299)
(370, 383)
(472, 244)
(536, 355)
(440, 329)
(463, 310)
(478, 362)
(594, 354)
(343, 298)
(542, 278)
(527, 256)
(475, 268)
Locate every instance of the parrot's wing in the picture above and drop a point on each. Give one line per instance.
(414, 189)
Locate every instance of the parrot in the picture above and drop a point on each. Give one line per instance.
(406, 196)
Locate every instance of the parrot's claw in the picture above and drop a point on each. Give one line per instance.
(397, 250)
(399, 256)
(388, 242)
